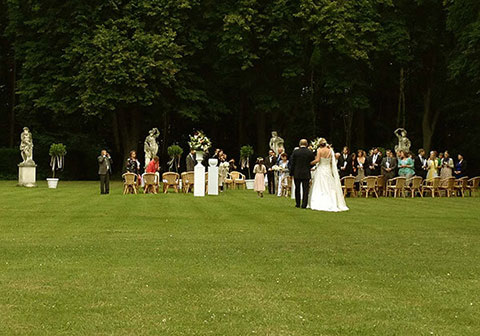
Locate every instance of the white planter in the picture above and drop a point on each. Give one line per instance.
(52, 183)
(250, 184)
(199, 156)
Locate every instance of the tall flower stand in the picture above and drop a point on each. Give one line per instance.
(212, 177)
(199, 176)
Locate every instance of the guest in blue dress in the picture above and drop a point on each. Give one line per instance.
(460, 167)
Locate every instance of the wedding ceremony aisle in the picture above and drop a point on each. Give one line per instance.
(74, 262)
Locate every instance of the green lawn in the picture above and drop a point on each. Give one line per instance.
(73, 262)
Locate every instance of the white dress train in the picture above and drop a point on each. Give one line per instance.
(326, 191)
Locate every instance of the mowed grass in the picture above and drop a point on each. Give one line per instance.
(73, 262)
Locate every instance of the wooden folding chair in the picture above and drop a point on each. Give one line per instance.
(432, 186)
(348, 185)
(448, 185)
(129, 183)
(170, 179)
(472, 184)
(151, 183)
(414, 185)
(238, 179)
(396, 186)
(369, 185)
(461, 186)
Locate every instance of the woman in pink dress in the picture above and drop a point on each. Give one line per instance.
(259, 170)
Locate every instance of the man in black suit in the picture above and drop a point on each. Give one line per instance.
(300, 165)
(104, 171)
(374, 162)
(344, 163)
(420, 164)
(191, 161)
(271, 161)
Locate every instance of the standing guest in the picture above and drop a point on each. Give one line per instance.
(300, 165)
(360, 166)
(344, 163)
(420, 163)
(406, 165)
(283, 172)
(133, 165)
(374, 162)
(281, 150)
(460, 167)
(389, 165)
(259, 170)
(270, 161)
(190, 160)
(439, 162)
(353, 164)
(104, 170)
(232, 167)
(432, 165)
(447, 166)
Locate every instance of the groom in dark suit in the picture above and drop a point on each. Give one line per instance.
(300, 165)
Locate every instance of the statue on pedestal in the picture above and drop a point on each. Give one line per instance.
(150, 145)
(276, 142)
(26, 147)
(403, 142)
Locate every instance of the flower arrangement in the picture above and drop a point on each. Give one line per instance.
(199, 142)
(315, 144)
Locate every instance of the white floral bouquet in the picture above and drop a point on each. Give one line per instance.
(276, 168)
(199, 142)
(315, 144)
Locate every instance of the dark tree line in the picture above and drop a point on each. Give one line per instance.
(100, 74)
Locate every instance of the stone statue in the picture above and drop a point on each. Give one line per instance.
(150, 146)
(26, 147)
(403, 142)
(276, 142)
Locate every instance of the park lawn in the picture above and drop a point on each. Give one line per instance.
(73, 262)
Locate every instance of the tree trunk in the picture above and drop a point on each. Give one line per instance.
(129, 130)
(261, 135)
(429, 121)
(11, 116)
(312, 104)
(401, 119)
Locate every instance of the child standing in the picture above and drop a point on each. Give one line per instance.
(259, 170)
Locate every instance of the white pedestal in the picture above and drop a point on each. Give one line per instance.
(199, 177)
(27, 175)
(212, 177)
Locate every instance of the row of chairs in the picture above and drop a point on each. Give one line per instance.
(233, 180)
(377, 185)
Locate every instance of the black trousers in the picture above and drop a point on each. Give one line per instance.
(271, 182)
(305, 185)
(104, 183)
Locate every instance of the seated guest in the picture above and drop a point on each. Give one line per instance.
(344, 163)
(154, 168)
(406, 165)
(191, 161)
(421, 164)
(460, 167)
(432, 165)
(133, 165)
(389, 165)
(447, 166)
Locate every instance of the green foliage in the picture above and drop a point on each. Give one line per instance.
(8, 163)
(57, 149)
(174, 151)
(246, 151)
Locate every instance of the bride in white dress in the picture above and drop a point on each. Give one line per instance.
(326, 191)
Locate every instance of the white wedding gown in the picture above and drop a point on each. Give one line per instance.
(326, 191)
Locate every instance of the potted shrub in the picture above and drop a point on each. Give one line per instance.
(175, 152)
(245, 153)
(57, 156)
